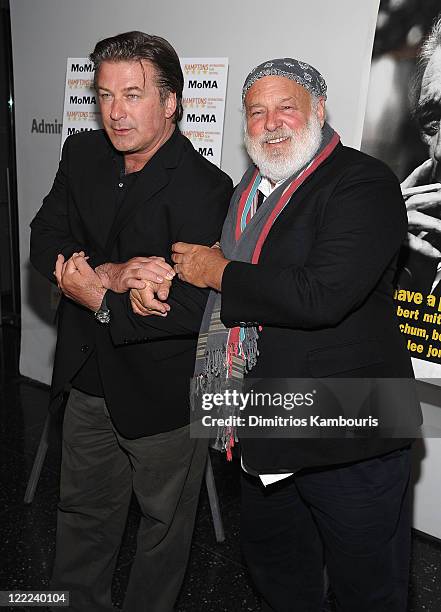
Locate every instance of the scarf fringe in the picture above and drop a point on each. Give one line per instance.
(218, 371)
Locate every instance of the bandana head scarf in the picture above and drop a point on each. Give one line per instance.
(302, 73)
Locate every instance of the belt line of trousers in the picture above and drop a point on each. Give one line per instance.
(100, 470)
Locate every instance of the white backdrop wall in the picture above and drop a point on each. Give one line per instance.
(336, 37)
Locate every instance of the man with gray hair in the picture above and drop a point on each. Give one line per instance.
(421, 188)
(302, 288)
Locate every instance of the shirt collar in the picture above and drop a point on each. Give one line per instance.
(267, 188)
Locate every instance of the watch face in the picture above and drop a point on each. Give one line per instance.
(102, 316)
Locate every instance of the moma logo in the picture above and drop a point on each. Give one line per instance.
(195, 84)
(81, 67)
(204, 118)
(206, 151)
(77, 130)
(82, 99)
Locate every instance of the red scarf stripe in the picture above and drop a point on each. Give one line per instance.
(288, 193)
(232, 345)
(242, 202)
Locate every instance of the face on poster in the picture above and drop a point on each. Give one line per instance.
(402, 127)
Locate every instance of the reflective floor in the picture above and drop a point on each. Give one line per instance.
(216, 579)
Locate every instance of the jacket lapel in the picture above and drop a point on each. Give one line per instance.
(296, 208)
(94, 201)
(152, 178)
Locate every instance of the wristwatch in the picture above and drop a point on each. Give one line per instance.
(102, 315)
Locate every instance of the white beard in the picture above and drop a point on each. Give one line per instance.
(279, 165)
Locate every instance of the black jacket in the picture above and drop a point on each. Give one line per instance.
(145, 362)
(323, 292)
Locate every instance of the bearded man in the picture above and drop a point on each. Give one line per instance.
(302, 288)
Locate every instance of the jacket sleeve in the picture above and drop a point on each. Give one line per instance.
(50, 230)
(203, 226)
(361, 230)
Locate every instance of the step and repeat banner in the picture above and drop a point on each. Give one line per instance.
(203, 101)
(50, 103)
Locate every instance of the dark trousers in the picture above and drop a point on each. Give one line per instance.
(355, 519)
(100, 469)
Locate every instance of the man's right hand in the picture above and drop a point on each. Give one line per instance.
(135, 273)
(423, 210)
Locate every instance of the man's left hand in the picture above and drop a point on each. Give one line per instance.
(144, 301)
(199, 265)
(78, 281)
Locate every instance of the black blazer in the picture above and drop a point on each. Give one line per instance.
(323, 292)
(145, 362)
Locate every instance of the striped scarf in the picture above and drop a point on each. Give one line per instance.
(224, 355)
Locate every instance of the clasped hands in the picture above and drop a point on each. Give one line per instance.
(147, 278)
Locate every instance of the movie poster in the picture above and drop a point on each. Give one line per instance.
(402, 127)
